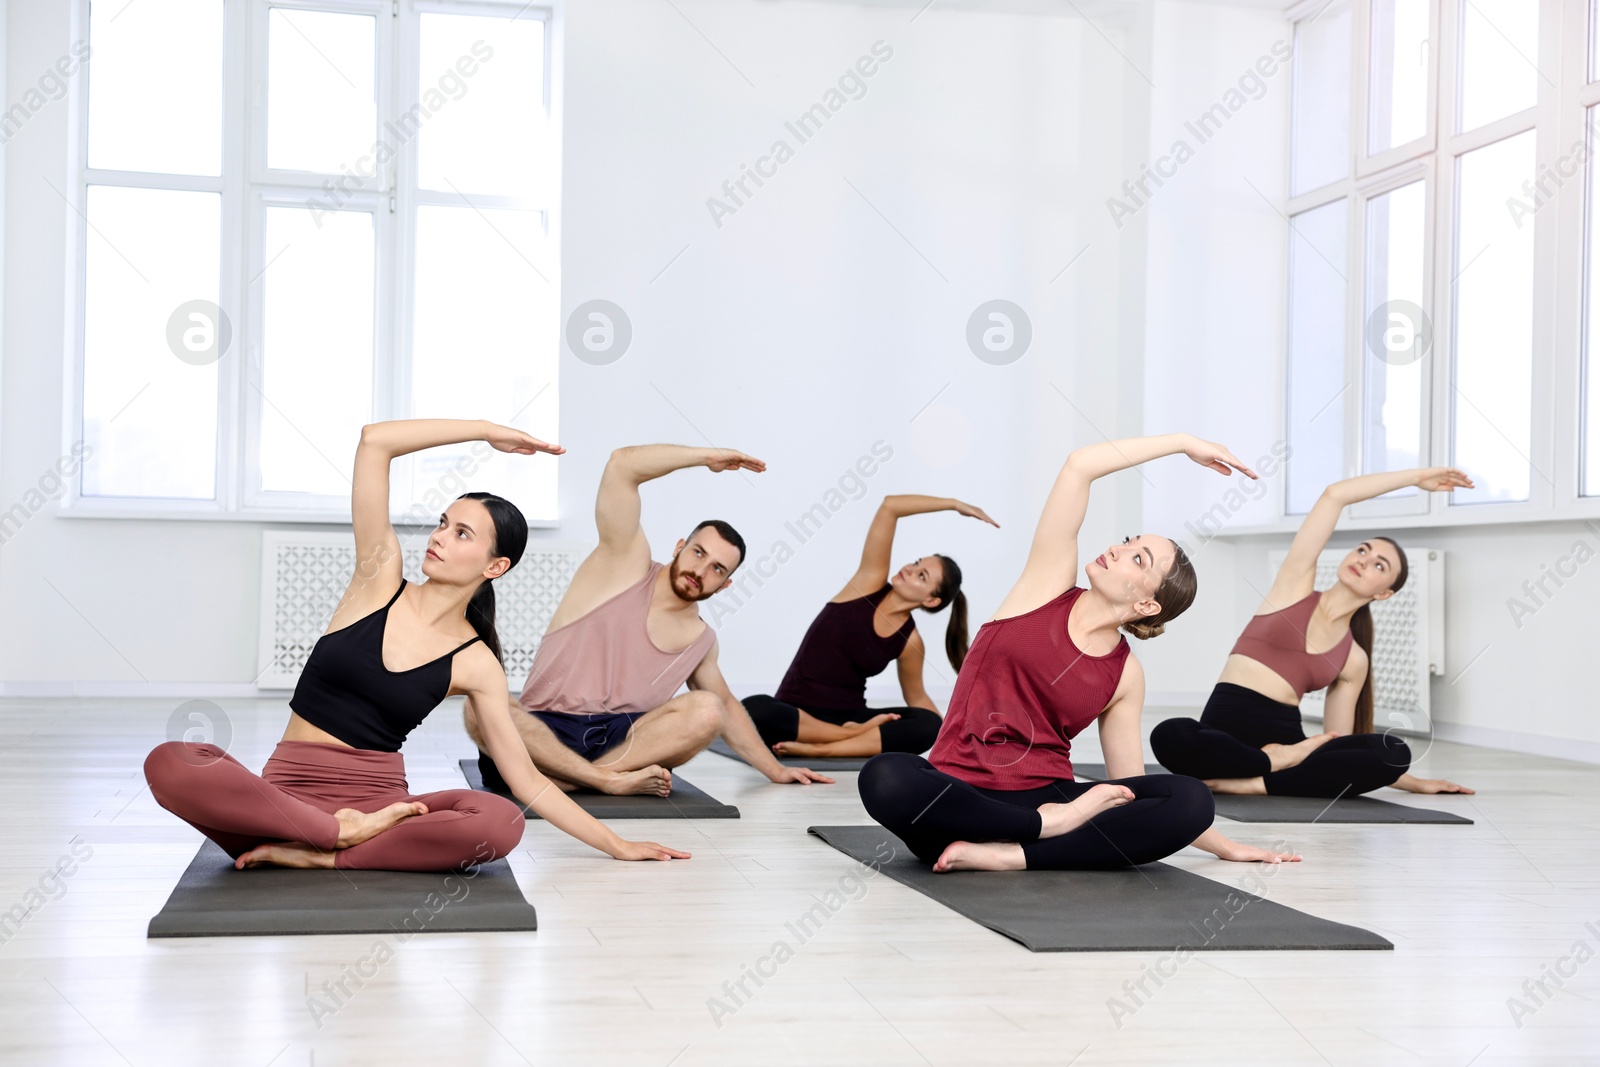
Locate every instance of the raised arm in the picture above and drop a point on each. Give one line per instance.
(617, 505)
(1052, 565)
(484, 683)
(1296, 578)
(876, 557)
(378, 562)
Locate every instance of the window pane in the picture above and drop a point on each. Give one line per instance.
(484, 347)
(317, 349)
(480, 103)
(1494, 323)
(149, 416)
(1320, 123)
(322, 107)
(1401, 53)
(1398, 332)
(155, 86)
(1499, 53)
(1317, 386)
(1591, 359)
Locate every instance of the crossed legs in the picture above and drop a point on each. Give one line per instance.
(642, 762)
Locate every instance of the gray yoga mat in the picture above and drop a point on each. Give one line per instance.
(686, 802)
(214, 900)
(842, 763)
(1360, 809)
(1141, 909)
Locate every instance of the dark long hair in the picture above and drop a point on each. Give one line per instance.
(1174, 594)
(950, 595)
(1361, 628)
(510, 538)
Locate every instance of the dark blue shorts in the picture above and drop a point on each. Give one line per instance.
(589, 735)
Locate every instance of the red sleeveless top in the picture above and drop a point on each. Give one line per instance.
(1278, 641)
(1024, 691)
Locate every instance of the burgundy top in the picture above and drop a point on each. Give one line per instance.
(839, 652)
(605, 661)
(1278, 641)
(1024, 691)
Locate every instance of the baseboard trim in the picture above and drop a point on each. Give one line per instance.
(1514, 741)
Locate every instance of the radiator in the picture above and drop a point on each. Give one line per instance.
(303, 575)
(1407, 640)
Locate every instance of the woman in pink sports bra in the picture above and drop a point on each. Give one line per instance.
(1249, 739)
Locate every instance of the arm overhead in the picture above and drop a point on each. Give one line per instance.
(876, 560)
(1295, 580)
(617, 505)
(378, 562)
(1052, 564)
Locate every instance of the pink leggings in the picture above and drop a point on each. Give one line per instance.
(305, 782)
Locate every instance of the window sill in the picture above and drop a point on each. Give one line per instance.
(1467, 518)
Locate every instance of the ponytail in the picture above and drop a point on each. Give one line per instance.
(1361, 630)
(510, 538)
(956, 639)
(480, 613)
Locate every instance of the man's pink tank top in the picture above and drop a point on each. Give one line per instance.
(606, 662)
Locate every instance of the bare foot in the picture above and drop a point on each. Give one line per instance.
(1238, 786)
(981, 856)
(358, 826)
(285, 854)
(1057, 819)
(1285, 756)
(646, 781)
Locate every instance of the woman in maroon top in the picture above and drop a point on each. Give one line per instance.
(1249, 739)
(820, 709)
(997, 791)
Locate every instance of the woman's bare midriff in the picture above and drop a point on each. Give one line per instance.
(1252, 674)
(300, 730)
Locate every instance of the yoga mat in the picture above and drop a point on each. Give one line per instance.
(1359, 809)
(841, 763)
(686, 802)
(214, 900)
(1154, 908)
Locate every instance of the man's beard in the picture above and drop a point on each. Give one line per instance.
(673, 573)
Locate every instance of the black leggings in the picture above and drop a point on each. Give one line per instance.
(913, 731)
(928, 809)
(1236, 722)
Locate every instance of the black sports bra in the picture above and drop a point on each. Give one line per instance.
(346, 690)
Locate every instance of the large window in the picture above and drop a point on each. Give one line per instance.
(300, 216)
(1456, 331)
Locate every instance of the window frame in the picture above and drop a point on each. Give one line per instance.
(1560, 279)
(247, 187)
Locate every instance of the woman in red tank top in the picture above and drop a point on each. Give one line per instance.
(1248, 738)
(997, 791)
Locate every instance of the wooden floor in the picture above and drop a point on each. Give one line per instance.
(628, 955)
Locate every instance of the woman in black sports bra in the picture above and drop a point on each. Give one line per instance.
(820, 709)
(334, 793)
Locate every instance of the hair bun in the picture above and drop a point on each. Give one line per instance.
(1144, 631)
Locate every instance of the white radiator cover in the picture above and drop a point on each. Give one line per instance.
(303, 575)
(1407, 640)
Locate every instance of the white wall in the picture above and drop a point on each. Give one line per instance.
(802, 330)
